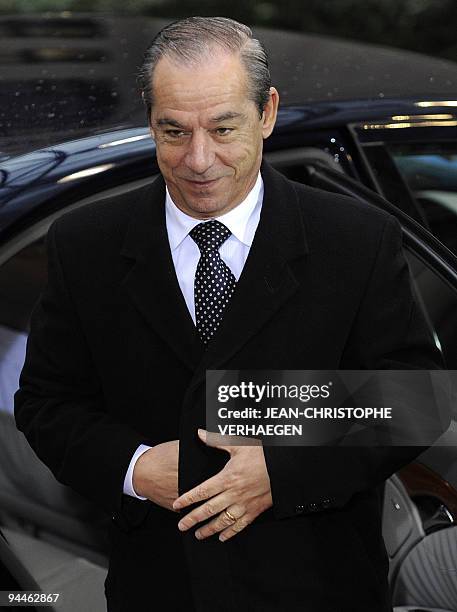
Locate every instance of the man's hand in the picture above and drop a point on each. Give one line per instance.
(155, 475)
(237, 494)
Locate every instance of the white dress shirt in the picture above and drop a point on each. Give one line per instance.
(242, 221)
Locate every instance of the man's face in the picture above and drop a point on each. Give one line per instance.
(208, 133)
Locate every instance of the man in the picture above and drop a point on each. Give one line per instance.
(221, 263)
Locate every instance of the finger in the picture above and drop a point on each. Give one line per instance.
(209, 488)
(220, 523)
(216, 440)
(234, 529)
(205, 511)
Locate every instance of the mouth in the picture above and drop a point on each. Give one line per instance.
(202, 184)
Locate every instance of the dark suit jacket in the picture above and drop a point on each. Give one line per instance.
(113, 361)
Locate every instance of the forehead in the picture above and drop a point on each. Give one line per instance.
(214, 81)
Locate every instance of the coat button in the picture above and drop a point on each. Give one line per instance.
(299, 509)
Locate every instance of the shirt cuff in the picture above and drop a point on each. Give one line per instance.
(128, 480)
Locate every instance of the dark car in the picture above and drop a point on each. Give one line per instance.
(373, 123)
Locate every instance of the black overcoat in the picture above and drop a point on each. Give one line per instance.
(113, 361)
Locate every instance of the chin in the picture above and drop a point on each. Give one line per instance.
(205, 206)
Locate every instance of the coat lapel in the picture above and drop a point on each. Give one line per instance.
(151, 281)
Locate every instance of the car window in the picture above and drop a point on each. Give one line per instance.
(21, 280)
(330, 151)
(430, 171)
(23, 273)
(440, 304)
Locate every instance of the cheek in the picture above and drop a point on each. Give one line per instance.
(242, 156)
(240, 152)
(168, 159)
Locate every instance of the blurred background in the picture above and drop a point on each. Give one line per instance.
(422, 25)
(67, 67)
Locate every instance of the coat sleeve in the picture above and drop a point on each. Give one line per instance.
(389, 332)
(59, 405)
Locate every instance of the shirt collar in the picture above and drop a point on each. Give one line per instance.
(179, 224)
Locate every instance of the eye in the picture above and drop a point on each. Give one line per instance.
(175, 133)
(223, 131)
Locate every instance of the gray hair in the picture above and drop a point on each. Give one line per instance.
(194, 38)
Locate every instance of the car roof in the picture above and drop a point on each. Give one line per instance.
(312, 68)
(72, 76)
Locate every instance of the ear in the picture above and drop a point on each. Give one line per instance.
(151, 129)
(270, 112)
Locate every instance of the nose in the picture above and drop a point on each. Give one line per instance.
(200, 154)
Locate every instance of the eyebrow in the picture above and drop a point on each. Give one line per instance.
(224, 117)
(227, 116)
(167, 121)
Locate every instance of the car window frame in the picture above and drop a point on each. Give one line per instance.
(374, 140)
(39, 229)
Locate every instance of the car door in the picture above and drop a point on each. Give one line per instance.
(420, 502)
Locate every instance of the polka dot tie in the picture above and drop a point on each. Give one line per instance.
(214, 281)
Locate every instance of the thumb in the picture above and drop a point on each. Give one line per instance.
(216, 440)
(228, 443)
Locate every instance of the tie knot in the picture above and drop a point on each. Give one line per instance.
(209, 235)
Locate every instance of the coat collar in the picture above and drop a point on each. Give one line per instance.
(264, 285)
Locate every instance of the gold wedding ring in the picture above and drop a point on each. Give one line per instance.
(230, 516)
